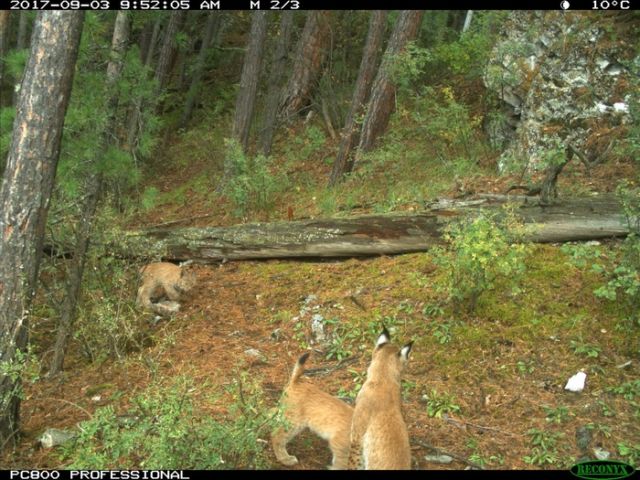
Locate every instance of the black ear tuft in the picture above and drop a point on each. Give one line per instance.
(405, 351)
(385, 331)
(383, 338)
(303, 358)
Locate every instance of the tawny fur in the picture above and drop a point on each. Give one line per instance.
(379, 437)
(163, 279)
(306, 406)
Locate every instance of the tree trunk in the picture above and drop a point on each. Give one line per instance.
(168, 49)
(577, 219)
(455, 22)
(213, 23)
(467, 21)
(151, 50)
(26, 190)
(246, 99)
(276, 80)
(383, 91)
(93, 188)
(368, 66)
(22, 42)
(4, 41)
(23, 31)
(134, 114)
(310, 53)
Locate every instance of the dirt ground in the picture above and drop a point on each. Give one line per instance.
(253, 305)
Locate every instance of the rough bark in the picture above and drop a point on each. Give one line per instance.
(92, 193)
(366, 73)
(26, 190)
(213, 23)
(383, 91)
(168, 49)
(246, 100)
(577, 219)
(310, 53)
(276, 80)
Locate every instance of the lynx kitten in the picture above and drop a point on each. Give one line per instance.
(379, 437)
(306, 406)
(163, 279)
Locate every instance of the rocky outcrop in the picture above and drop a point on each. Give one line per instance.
(561, 78)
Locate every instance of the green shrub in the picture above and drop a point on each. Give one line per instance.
(452, 131)
(624, 278)
(482, 251)
(107, 324)
(251, 186)
(439, 404)
(163, 429)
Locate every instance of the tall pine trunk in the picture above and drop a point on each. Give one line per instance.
(151, 49)
(276, 80)
(168, 49)
(92, 193)
(23, 31)
(133, 118)
(366, 74)
(383, 91)
(246, 100)
(212, 26)
(26, 191)
(4, 41)
(310, 53)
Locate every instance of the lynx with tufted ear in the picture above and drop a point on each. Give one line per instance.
(379, 437)
(306, 406)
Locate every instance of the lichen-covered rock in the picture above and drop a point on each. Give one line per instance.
(562, 78)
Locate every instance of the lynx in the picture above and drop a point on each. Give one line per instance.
(306, 406)
(163, 279)
(379, 437)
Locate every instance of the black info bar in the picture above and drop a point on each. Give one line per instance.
(99, 475)
(147, 5)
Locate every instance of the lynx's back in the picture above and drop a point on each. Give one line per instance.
(379, 436)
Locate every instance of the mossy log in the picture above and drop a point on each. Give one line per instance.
(369, 235)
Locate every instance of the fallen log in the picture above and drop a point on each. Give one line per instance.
(368, 235)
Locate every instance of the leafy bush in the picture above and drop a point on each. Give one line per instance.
(543, 447)
(251, 187)
(441, 403)
(311, 142)
(468, 54)
(163, 429)
(407, 65)
(631, 453)
(452, 131)
(624, 279)
(482, 252)
(107, 324)
(7, 114)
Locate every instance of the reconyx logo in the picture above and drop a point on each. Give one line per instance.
(602, 469)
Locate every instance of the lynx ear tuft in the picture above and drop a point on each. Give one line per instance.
(303, 358)
(405, 351)
(385, 337)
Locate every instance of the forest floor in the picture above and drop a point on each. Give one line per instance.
(493, 380)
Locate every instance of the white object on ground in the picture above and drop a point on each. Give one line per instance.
(576, 383)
